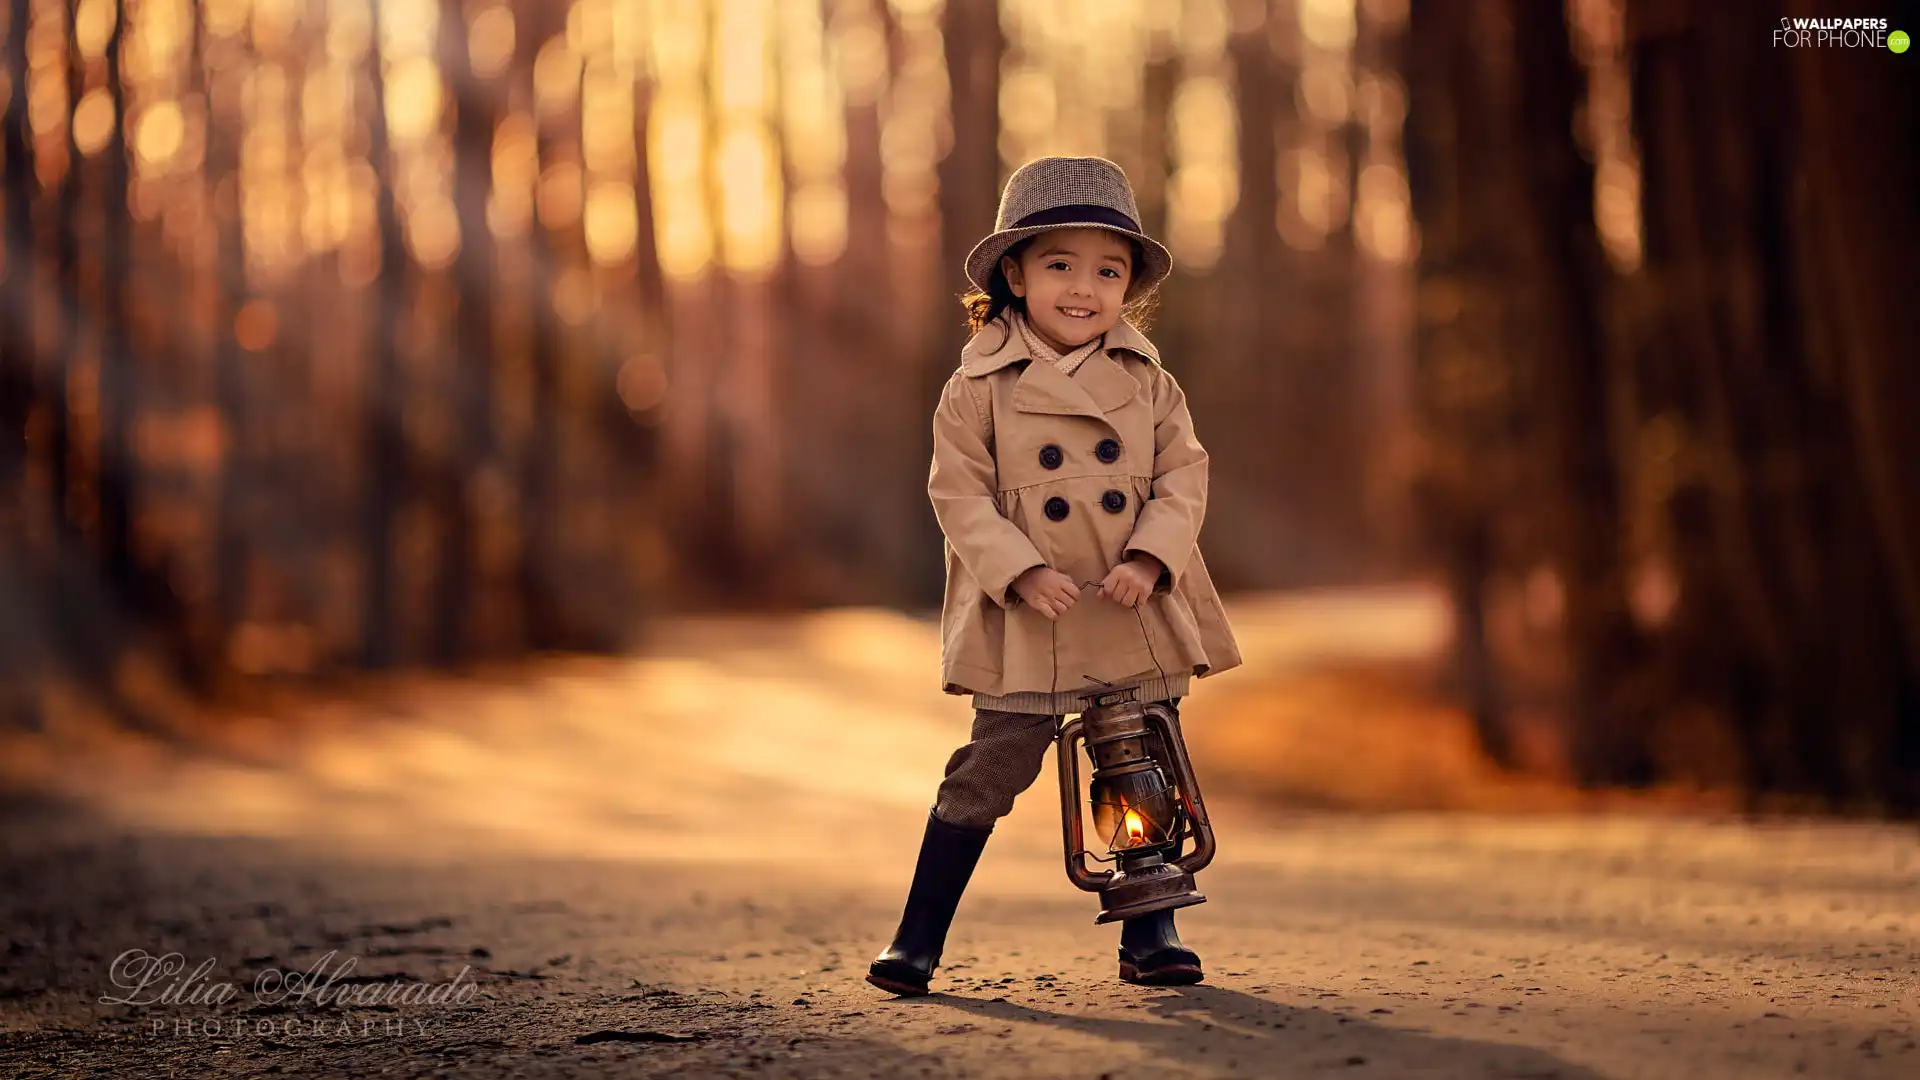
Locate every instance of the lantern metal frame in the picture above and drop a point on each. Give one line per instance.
(1117, 731)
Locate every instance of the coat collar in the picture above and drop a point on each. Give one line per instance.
(998, 345)
(1100, 386)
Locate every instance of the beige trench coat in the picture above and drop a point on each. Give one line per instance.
(1020, 478)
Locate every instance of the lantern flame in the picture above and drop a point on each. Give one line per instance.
(1136, 829)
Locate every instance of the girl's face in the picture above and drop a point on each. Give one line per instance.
(1074, 282)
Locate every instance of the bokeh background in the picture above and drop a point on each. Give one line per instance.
(1555, 359)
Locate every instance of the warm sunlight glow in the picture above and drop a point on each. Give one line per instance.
(746, 159)
(1328, 24)
(490, 41)
(556, 76)
(326, 101)
(47, 101)
(225, 17)
(1326, 88)
(516, 169)
(92, 26)
(813, 137)
(433, 233)
(750, 190)
(819, 223)
(274, 22)
(93, 122)
(1027, 103)
(409, 27)
(676, 157)
(329, 210)
(1383, 219)
(612, 222)
(156, 40)
(349, 31)
(413, 98)
(1607, 115)
(160, 131)
(606, 120)
(1205, 185)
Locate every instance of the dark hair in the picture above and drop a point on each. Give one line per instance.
(985, 305)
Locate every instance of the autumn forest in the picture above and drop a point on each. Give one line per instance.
(351, 335)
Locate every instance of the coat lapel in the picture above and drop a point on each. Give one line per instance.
(1100, 386)
(1106, 381)
(1044, 388)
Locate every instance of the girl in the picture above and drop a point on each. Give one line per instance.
(1064, 458)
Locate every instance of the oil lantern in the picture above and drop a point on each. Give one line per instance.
(1145, 805)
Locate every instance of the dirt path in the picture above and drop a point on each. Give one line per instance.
(599, 850)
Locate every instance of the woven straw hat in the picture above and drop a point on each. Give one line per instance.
(1066, 193)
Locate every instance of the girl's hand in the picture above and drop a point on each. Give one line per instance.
(1131, 583)
(1049, 591)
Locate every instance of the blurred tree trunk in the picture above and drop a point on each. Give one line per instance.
(116, 464)
(1260, 90)
(1571, 396)
(70, 344)
(1780, 488)
(970, 173)
(1383, 298)
(539, 567)
(866, 249)
(1692, 355)
(383, 442)
(1514, 361)
(1785, 513)
(1158, 84)
(656, 327)
(650, 280)
(223, 118)
(865, 324)
(1860, 232)
(747, 343)
(471, 370)
(543, 601)
(19, 359)
(969, 178)
(1459, 393)
(540, 480)
(717, 511)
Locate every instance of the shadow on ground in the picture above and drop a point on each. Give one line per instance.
(1230, 1028)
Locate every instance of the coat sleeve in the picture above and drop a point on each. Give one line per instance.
(1169, 523)
(963, 485)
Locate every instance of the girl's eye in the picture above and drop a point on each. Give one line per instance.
(1110, 271)
(1057, 264)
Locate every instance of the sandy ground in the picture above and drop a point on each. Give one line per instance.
(679, 866)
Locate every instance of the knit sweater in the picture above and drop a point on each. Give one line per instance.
(1148, 684)
(1067, 362)
(1151, 685)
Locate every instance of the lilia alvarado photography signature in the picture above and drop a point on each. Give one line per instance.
(146, 979)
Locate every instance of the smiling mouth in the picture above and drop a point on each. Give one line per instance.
(1076, 312)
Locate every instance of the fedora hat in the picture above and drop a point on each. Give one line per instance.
(1068, 193)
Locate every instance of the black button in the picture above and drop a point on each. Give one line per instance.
(1057, 508)
(1115, 501)
(1107, 451)
(1050, 456)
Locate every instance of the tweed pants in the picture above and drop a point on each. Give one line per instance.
(1002, 760)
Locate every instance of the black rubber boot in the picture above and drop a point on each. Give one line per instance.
(947, 858)
(1151, 953)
